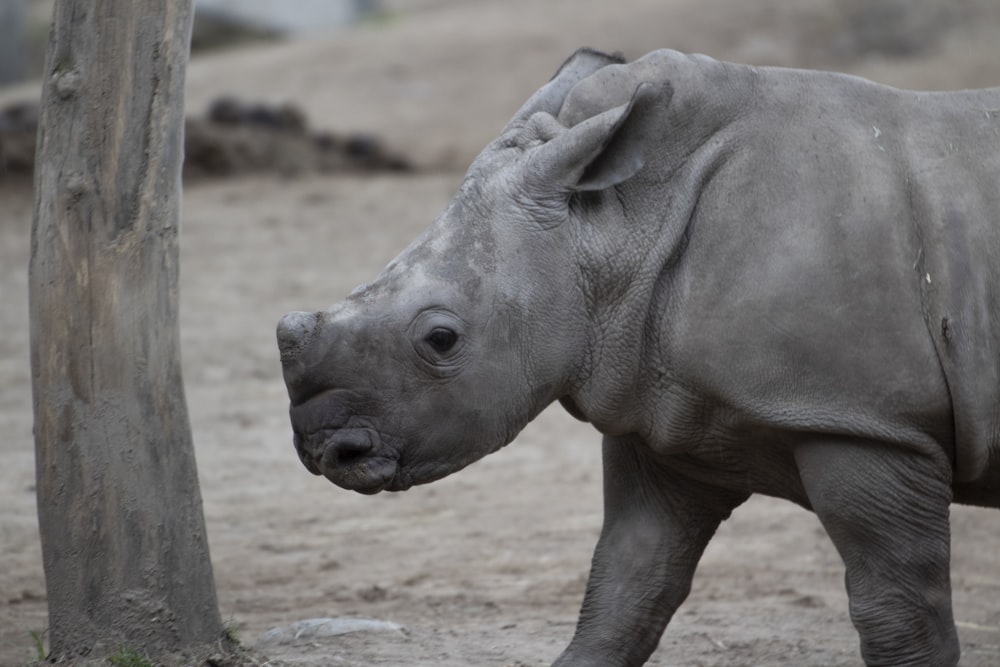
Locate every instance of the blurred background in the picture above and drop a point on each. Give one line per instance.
(321, 137)
(379, 80)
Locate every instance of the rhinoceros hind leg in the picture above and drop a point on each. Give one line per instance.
(886, 510)
(656, 526)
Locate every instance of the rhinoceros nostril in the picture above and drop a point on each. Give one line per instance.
(347, 448)
(348, 454)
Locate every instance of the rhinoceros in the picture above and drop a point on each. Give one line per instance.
(748, 280)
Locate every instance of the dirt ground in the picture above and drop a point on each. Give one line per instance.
(486, 567)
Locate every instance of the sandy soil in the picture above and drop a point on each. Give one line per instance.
(486, 567)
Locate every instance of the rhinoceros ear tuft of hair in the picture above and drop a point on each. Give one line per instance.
(602, 151)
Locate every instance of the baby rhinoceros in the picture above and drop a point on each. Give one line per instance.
(748, 279)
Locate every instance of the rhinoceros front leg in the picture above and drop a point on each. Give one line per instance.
(656, 526)
(886, 511)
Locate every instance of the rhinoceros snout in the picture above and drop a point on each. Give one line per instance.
(295, 330)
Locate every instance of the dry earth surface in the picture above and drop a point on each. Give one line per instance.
(486, 567)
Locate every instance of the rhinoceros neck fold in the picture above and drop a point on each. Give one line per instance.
(627, 278)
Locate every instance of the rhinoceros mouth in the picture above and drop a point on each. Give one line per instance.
(350, 459)
(374, 475)
(332, 440)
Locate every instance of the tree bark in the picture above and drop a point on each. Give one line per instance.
(123, 536)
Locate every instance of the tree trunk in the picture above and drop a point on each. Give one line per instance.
(123, 536)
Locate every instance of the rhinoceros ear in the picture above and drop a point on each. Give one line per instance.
(599, 152)
(551, 96)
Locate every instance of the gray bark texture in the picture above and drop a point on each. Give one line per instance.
(123, 535)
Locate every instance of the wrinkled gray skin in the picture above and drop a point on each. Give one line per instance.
(750, 280)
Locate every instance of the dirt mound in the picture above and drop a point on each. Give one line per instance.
(18, 125)
(233, 138)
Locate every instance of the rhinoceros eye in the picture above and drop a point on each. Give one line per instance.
(441, 339)
(439, 342)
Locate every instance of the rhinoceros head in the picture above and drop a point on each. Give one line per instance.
(479, 324)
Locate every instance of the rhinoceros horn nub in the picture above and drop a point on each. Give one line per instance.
(295, 330)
